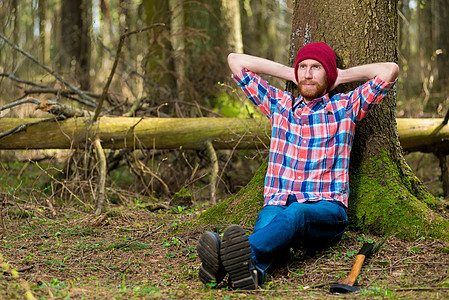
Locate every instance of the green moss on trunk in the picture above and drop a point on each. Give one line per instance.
(384, 201)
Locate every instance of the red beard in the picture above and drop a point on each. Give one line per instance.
(310, 89)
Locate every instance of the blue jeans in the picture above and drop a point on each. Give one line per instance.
(313, 224)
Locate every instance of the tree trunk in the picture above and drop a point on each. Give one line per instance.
(159, 61)
(386, 197)
(177, 40)
(42, 10)
(231, 16)
(443, 44)
(15, 16)
(75, 39)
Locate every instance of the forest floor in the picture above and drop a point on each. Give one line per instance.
(131, 252)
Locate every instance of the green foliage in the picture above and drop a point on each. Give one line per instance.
(228, 104)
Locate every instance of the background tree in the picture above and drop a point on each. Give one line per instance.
(442, 7)
(385, 196)
(231, 15)
(76, 23)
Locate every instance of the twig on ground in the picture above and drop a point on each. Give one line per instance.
(101, 176)
(146, 170)
(63, 185)
(213, 171)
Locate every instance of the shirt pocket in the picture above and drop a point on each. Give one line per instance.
(322, 128)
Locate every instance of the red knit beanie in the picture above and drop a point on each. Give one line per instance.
(322, 53)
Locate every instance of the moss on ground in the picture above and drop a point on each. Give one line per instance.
(243, 207)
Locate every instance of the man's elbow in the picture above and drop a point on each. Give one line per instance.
(233, 62)
(393, 71)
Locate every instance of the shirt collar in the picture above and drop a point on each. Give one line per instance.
(302, 102)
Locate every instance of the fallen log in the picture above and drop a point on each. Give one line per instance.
(136, 133)
(425, 135)
(190, 133)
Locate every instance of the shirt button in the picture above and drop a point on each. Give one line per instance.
(305, 142)
(299, 177)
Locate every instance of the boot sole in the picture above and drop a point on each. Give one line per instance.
(208, 249)
(236, 257)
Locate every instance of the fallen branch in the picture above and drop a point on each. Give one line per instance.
(20, 102)
(14, 78)
(22, 127)
(53, 107)
(53, 73)
(65, 93)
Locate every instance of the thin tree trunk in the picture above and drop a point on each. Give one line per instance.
(160, 71)
(177, 40)
(42, 10)
(231, 13)
(75, 39)
(443, 44)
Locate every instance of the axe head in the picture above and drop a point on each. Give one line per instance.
(339, 288)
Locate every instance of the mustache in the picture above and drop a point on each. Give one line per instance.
(308, 82)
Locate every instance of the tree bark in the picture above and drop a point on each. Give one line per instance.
(177, 31)
(42, 10)
(231, 15)
(160, 70)
(442, 20)
(386, 197)
(75, 39)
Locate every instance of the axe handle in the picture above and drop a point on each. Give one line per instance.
(355, 271)
(366, 250)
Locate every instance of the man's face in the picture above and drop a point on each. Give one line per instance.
(312, 79)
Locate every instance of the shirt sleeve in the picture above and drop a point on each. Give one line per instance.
(367, 96)
(259, 91)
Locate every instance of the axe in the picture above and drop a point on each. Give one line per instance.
(347, 284)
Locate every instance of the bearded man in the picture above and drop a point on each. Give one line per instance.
(307, 182)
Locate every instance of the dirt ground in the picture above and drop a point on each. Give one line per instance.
(131, 252)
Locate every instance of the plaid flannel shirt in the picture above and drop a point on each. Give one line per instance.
(310, 143)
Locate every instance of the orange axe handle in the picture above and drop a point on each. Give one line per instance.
(357, 266)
